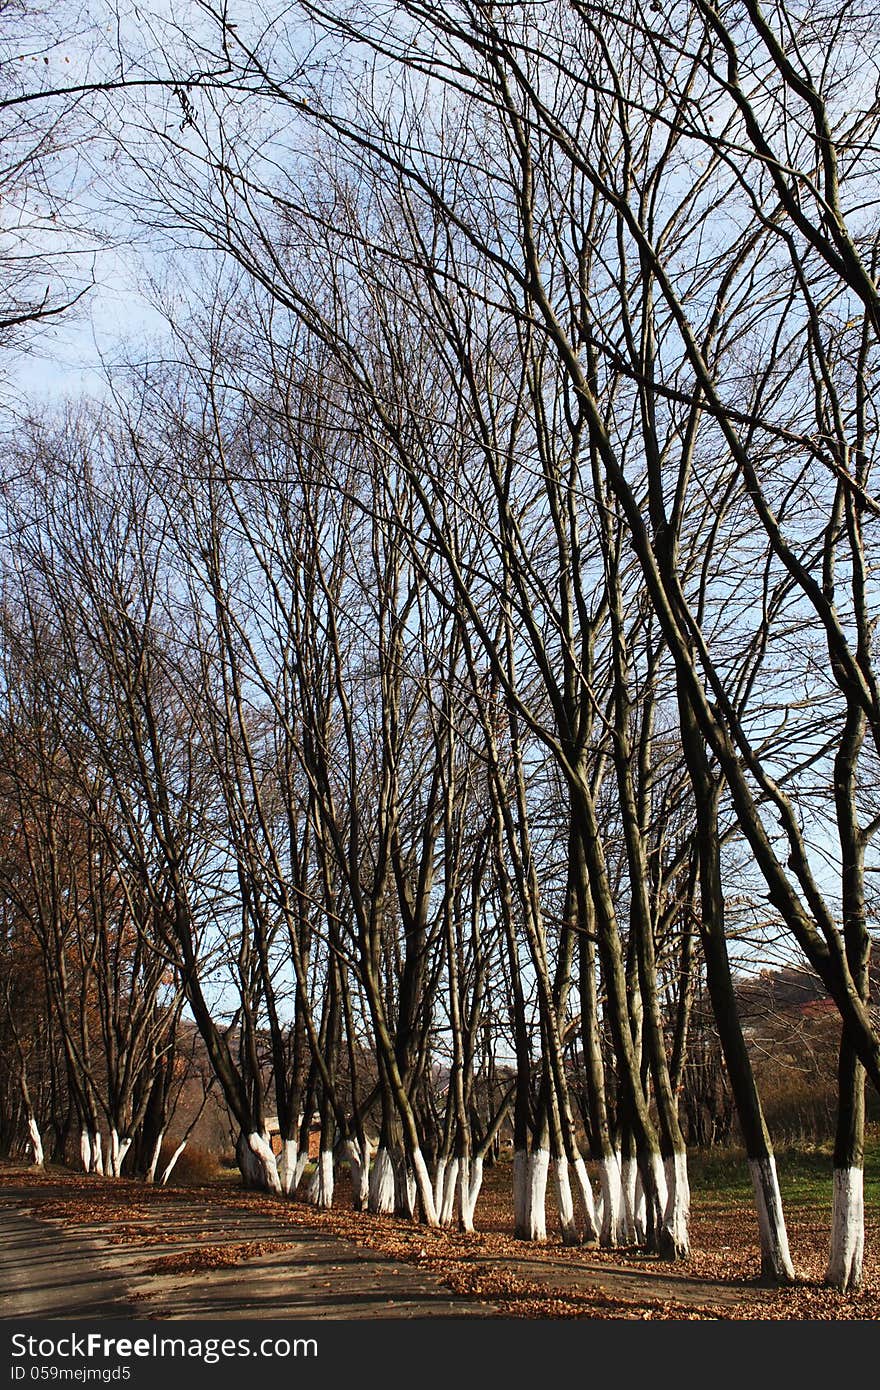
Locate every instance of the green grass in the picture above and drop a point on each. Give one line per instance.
(804, 1173)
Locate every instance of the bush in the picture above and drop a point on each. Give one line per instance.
(195, 1165)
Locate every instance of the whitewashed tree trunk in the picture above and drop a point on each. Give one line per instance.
(124, 1146)
(633, 1201)
(536, 1224)
(405, 1191)
(678, 1203)
(35, 1141)
(359, 1163)
(439, 1179)
(613, 1221)
(287, 1166)
(446, 1209)
(775, 1258)
(118, 1149)
(169, 1166)
(469, 1184)
(423, 1186)
(381, 1200)
(153, 1164)
(257, 1161)
(844, 1270)
(585, 1195)
(476, 1184)
(568, 1225)
(85, 1151)
(521, 1193)
(320, 1193)
(265, 1167)
(97, 1154)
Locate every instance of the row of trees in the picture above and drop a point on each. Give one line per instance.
(467, 633)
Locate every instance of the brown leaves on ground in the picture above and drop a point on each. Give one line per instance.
(216, 1257)
(719, 1281)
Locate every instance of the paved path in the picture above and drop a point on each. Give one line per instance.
(44, 1274)
(48, 1270)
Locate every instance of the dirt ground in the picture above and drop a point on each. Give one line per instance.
(76, 1246)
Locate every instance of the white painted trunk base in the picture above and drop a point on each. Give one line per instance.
(407, 1192)
(169, 1166)
(381, 1197)
(659, 1173)
(265, 1167)
(154, 1158)
(584, 1190)
(633, 1201)
(287, 1162)
(847, 1252)
(676, 1217)
(536, 1223)
(320, 1193)
(613, 1223)
(439, 1180)
(640, 1210)
(359, 1163)
(446, 1208)
(567, 1223)
(775, 1257)
(423, 1186)
(90, 1152)
(363, 1187)
(118, 1149)
(654, 1200)
(36, 1142)
(629, 1172)
(469, 1184)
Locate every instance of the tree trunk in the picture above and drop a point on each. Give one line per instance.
(381, 1193)
(153, 1162)
(775, 1258)
(844, 1270)
(320, 1192)
(35, 1141)
(257, 1163)
(170, 1165)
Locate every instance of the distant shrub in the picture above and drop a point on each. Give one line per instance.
(195, 1165)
